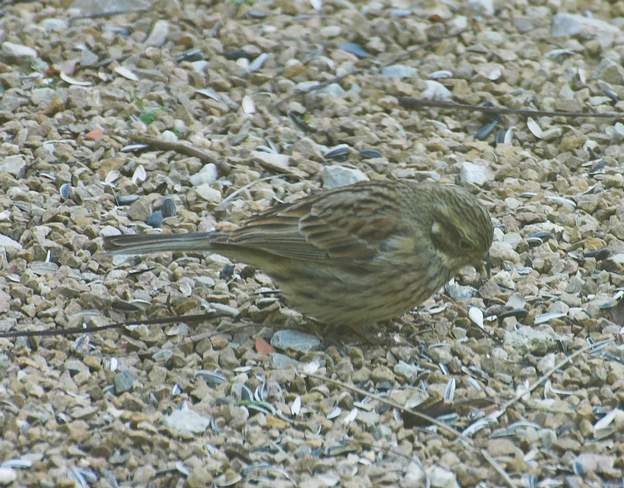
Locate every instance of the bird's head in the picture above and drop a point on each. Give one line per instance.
(461, 229)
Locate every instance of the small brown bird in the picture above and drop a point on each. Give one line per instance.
(353, 255)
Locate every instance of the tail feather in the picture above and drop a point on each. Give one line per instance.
(150, 243)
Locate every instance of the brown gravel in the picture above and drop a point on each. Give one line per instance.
(222, 91)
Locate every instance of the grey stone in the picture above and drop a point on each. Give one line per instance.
(337, 175)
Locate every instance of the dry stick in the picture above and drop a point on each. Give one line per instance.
(182, 148)
(115, 325)
(497, 467)
(110, 13)
(336, 79)
(550, 372)
(224, 203)
(417, 103)
(456, 434)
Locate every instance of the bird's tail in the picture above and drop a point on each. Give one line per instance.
(149, 243)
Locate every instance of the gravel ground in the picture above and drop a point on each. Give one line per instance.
(122, 116)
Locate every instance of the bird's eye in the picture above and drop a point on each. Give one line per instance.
(464, 245)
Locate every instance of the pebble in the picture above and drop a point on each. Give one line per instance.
(12, 164)
(159, 34)
(155, 219)
(17, 51)
(7, 476)
(436, 91)
(564, 24)
(471, 173)
(187, 421)
(281, 361)
(54, 24)
(293, 339)
(208, 193)
(399, 71)
(440, 477)
(139, 210)
(336, 175)
(414, 476)
(207, 174)
(483, 7)
(502, 251)
(440, 354)
(8, 243)
(531, 340)
(124, 380)
(610, 71)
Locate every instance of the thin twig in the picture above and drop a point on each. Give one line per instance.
(115, 325)
(182, 148)
(549, 373)
(418, 103)
(455, 433)
(337, 79)
(497, 467)
(224, 203)
(111, 13)
(392, 403)
(227, 330)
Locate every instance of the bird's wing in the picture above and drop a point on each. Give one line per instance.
(348, 223)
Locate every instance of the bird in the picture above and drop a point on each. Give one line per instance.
(354, 255)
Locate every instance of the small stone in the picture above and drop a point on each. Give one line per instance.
(440, 477)
(503, 447)
(470, 173)
(436, 91)
(228, 359)
(155, 219)
(295, 340)
(281, 361)
(200, 477)
(17, 51)
(159, 34)
(187, 421)
(414, 476)
(12, 165)
(502, 251)
(208, 174)
(272, 160)
(610, 71)
(572, 24)
(42, 96)
(409, 371)
(546, 363)
(399, 71)
(208, 193)
(169, 136)
(308, 149)
(7, 476)
(330, 31)
(88, 57)
(139, 210)
(382, 374)
(441, 354)
(483, 7)
(8, 243)
(168, 208)
(336, 175)
(53, 24)
(531, 340)
(123, 381)
(589, 462)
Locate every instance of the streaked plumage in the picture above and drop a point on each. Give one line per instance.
(353, 255)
